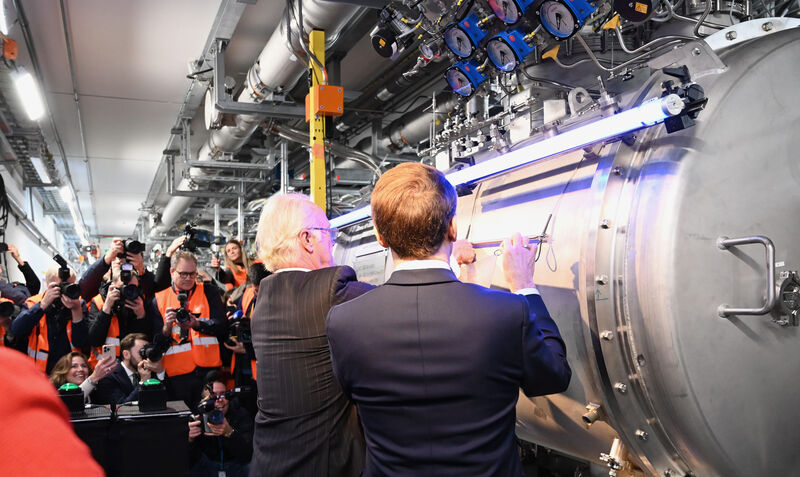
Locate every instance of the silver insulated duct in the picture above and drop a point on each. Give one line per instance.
(279, 66)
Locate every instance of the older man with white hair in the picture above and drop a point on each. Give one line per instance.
(305, 426)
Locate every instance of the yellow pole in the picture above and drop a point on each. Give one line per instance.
(316, 133)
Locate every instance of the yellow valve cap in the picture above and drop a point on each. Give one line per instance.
(552, 52)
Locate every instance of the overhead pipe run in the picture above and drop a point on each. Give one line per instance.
(280, 65)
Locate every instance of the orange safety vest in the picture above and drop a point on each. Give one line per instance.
(2, 329)
(248, 302)
(238, 278)
(200, 349)
(112, 337)
(38, 345)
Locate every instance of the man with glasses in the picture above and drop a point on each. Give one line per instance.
(193, 322)
(305, 426)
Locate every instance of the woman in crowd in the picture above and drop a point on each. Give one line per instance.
(74, 368)
(236, 265)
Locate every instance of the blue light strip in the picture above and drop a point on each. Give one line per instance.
(647, 114)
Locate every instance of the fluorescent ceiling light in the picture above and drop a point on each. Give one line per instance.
(29, 94)
(647, 114)
(38, 164)
(3, 20)
(66, 194)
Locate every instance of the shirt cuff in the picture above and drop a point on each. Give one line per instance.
(161, 376)
(527, 291)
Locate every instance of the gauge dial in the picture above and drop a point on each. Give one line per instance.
(558, 19)
(458, 41)
(505, 10)
(459, 82)
(501, 55)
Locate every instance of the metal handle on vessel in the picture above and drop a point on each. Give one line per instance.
(724, 243)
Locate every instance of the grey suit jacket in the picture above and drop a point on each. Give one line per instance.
(305, 426)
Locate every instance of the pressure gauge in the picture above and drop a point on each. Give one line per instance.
(464, 37)
(464, 77)
(508, 49)
(563, 18)
(510, 11)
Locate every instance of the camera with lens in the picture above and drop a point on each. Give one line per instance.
(208, 410)
(182, 314)
(196, 238)
(69, 290)
(151, 352)
(7, 309)
(129, 291)
(239, 328)
(131, 246)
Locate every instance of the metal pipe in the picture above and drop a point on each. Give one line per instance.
(284, 166)
(216, 219)
(239, 216)
(281, 63)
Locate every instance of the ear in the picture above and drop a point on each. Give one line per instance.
(379, 237)
(126, 355)
(452, 230)
(171, 270)
(305, 241)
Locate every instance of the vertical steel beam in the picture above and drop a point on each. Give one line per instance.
(316, 44)
(284, 166)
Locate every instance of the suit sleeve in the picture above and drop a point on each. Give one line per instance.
(346, 286)
(32, 282)
(109, 391)
(545, 366)
(337, 352)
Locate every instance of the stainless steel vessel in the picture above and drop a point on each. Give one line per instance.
(637, 275)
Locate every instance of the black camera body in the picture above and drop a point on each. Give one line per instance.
(129, 291)
(182, 314)
(70, 290)
(196, 238)
(151, 352)
(131, 246)
(208, 410)
(7, 309)
(239, 328)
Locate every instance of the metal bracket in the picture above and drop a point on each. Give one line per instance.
(225, 104)
(749, 30)
(725, 243)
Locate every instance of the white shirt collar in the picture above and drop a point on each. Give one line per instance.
(128, 371)
(293, 269)
(422, 265)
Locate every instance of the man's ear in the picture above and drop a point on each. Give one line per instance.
(126, 355)
(305, 241)
(379, 237)
(452, 230)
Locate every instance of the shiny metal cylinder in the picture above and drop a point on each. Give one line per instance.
(633, 275)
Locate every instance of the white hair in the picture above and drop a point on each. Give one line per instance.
(282, 219)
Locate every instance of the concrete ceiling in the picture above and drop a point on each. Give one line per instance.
(130, 64)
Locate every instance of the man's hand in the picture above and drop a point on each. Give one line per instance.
(12, 249)
(144, 370)
(191, 324)
(156, 367)
(51, 294)
(214, 262)
(195, 429)
(137, 306)
(72, 304)
(518, 262)
(175, 245)
(111, 297)
(238, 348)
(117, 247)
(170, 320)
(463, 252)
(219, 429)
(137, 260)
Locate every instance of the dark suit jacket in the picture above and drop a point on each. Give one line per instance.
(305, 426)
(435, 366)
(116, 388)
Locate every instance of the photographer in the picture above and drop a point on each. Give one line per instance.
(240, 341)
(237, 264)
(120, 310)
(128, 252)
(53, 320)
(226, 447)
(7, 309)
(15, 291)
(193, 318)
(122, 384)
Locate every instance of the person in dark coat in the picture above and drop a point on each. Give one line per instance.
(305, 426)
(433, 364)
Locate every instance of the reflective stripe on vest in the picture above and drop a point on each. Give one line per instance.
(174, 349)
(37, 355)
(205, 340)
(112, 341)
